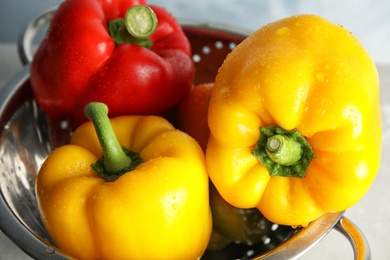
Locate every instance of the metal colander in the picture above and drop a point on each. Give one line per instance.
(27, 136)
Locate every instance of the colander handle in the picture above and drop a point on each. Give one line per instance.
(361, 248)
(25, 42)
(305, 239)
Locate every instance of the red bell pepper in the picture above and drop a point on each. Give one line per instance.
(79, 62)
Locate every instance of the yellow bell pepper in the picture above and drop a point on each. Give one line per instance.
(295, 121)
(158, 208)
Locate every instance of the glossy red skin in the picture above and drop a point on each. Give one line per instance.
(192, 113)
(78, 62)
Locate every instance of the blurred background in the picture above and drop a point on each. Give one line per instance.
(369, 21)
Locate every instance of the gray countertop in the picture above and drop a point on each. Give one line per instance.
(371, 214)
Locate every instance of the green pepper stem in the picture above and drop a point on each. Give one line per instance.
(115, 159)
(283, 150)
(139, 23)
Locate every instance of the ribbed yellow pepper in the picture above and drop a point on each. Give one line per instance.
(158, 210)
(295, 121)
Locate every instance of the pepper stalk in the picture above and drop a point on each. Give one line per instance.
(116, 159)
(283, 152)
(139, 23)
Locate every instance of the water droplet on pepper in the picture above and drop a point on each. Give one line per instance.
(283, 31)
(322, 77)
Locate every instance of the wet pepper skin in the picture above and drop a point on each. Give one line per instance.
(230, 224)
(301, 73)
(78, 62)
(160, 210)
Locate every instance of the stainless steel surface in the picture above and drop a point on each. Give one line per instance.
(24, 146)
(25, 43)
(352, 233)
